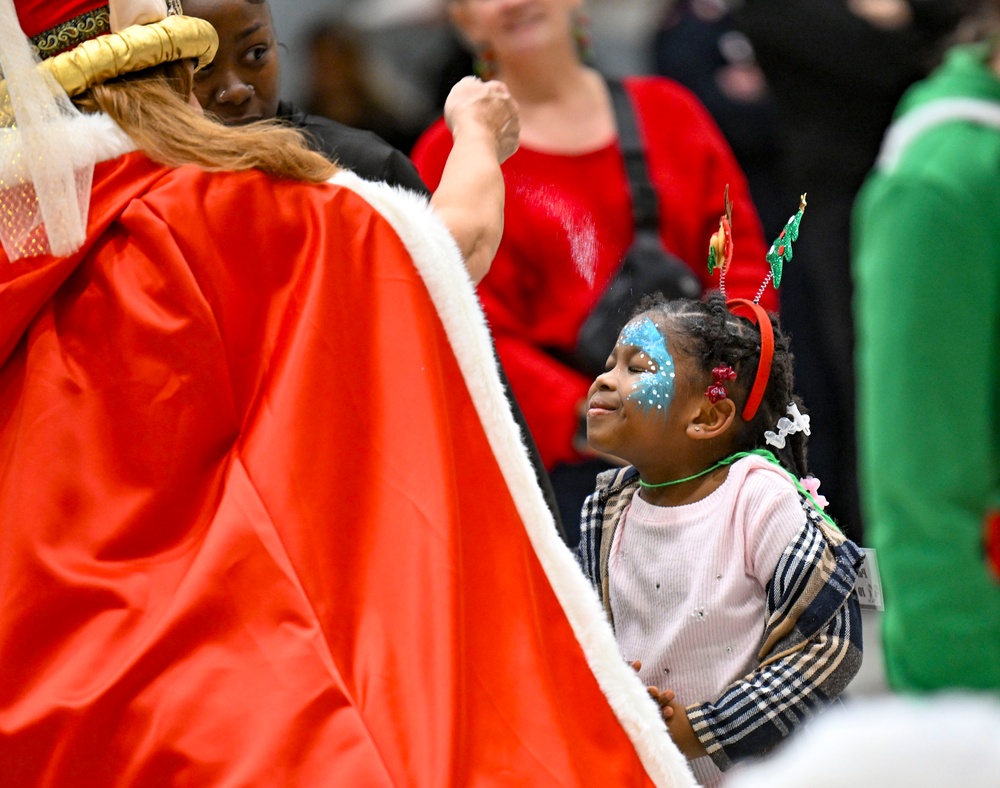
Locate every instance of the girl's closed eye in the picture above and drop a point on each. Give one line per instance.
(641, 363)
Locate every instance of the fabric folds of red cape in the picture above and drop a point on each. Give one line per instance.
(253, 530)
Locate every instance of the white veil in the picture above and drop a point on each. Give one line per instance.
(45, 169)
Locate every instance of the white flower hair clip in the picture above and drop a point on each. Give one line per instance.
(788, 426)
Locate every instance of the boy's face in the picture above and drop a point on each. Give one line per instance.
(638, 408)
(241, 84)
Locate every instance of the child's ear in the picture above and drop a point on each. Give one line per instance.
(712, 420)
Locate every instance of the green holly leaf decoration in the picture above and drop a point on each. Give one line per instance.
(712, 260)
(781, 250)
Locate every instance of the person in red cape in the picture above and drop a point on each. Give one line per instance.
(265, 517)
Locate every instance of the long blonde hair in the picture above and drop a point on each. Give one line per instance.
(150, 107)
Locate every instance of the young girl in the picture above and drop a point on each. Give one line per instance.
(723, 580)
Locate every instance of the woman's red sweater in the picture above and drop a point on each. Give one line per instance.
(567, 224)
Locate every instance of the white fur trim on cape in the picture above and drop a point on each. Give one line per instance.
(90, 138)
(440, 264)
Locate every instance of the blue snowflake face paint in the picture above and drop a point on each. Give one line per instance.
(655, 388)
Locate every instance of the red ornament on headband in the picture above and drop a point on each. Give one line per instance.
(717, 391)
(720, 246)
(780, 252)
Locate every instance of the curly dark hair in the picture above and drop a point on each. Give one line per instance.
(709, 333)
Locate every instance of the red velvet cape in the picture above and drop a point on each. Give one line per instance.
(252, 531)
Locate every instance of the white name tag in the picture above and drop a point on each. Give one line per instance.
(869, 582)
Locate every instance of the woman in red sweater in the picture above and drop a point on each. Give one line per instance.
(568, 215)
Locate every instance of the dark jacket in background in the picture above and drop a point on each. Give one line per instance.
(362, 152)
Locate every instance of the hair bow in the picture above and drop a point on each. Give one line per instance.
(811, 485)
(798, 422)
(717, 391)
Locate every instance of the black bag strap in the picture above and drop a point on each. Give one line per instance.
(645, 206)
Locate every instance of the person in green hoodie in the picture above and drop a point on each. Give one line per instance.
(927, 305)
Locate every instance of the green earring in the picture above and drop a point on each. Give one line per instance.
(581, 37)
(485, 66)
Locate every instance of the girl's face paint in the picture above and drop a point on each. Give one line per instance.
(654, 388)
(641, 408)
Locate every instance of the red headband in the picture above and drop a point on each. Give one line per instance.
(758, 316)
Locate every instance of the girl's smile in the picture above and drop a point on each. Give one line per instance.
(629, 404)
(644, 370)
(602, 404)
(642, 407)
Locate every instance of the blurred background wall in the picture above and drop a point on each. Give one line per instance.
(408, 43)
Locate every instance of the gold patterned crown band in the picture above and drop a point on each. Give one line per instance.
(72, 33)
(135, 48)
(82, 28)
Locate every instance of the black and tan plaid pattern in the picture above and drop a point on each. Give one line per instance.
(812, 649)
(600, 515)
(812, 644)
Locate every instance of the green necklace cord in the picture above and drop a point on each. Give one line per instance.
(726, 461)
(739, 456)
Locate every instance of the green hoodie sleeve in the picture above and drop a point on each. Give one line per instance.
(927, 267)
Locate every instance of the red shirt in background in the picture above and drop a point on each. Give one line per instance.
(567, 225)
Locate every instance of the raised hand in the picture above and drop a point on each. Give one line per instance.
(474, 106)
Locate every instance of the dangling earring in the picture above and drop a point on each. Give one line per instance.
(581, 37)
(485, 65)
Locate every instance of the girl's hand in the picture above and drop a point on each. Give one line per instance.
(663, 699)
(678, 725)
